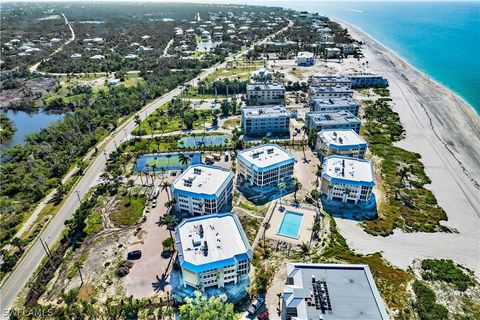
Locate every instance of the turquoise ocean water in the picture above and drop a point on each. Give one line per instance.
(442, 39)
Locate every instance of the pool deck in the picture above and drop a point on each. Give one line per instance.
(305, 229)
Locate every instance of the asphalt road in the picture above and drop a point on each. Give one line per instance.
(31, 261)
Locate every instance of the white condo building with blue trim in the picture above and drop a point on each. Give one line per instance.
(347, 180)
(203, 189)
(342, 142)
(213, 251)
(265, 164)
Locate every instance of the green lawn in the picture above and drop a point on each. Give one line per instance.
(128, 210)
(160, 122)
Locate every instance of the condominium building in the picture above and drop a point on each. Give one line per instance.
(330, 81)
(342, 142)
(305, 59)
(346, 179)
(332, 53)
(265, 93)
(265, 164)
(213, 251)
(329, 92)
(335, 105)
(261, 75)
(265, 120)
(333, 120)
(367, 80)
(203, 189)
(331, 292)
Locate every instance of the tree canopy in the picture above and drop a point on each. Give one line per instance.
(203, 308)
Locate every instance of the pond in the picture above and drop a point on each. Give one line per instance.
(28, 123)
(206, 46)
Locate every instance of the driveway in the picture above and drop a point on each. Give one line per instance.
(149, 275)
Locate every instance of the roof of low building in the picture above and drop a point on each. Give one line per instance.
(266, 155)
(341, 138)
(344, 291)
(264, 111)
(265, 86)
(348, 169)
(305, 54)
(211, 241)
(330, 89)
(202, 179)
(332, 117)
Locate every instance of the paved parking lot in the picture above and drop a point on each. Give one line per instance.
(149, 275)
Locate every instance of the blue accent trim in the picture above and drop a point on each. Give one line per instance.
(196, 194)
(348, 146)
(247, 255)
(256, 168)
(347, 181)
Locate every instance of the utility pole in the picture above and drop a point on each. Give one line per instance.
(80, 274)
(78, 195)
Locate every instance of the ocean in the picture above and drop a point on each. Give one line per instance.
(441, 39)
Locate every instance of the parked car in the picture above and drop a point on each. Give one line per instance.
(166, 254)
(264, 315)
(154, 203)
(256, 305)
(134, 255)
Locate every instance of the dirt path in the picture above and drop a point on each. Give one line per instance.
(34, 67)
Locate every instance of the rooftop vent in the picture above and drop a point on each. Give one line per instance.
(205, 248)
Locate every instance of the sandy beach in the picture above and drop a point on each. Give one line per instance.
(445, 131)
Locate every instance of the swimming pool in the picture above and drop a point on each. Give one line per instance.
(165, 161)
(290, 225)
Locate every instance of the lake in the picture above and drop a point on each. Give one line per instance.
(28, 123)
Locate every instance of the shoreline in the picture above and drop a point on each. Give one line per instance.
(445, 130)
(423, 73)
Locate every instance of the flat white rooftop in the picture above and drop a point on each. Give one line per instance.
(265, 86)
(266, 155)
(341, 137)
(346, 168)
(330, 89)
(305, 54)
(264, 111)
(211, 238)
(329, 78)
(202, 178)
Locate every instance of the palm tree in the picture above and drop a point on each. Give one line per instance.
(154, 166)
(266, 226)
(281, 187)
(297, 185)
(305, 249)
(304, 129)
(138, 122)
(164, 187)
(183, 159)
(169, 222)
(318, 174)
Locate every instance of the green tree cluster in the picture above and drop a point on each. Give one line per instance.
(203, 308)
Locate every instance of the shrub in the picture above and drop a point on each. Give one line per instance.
(447, 271)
